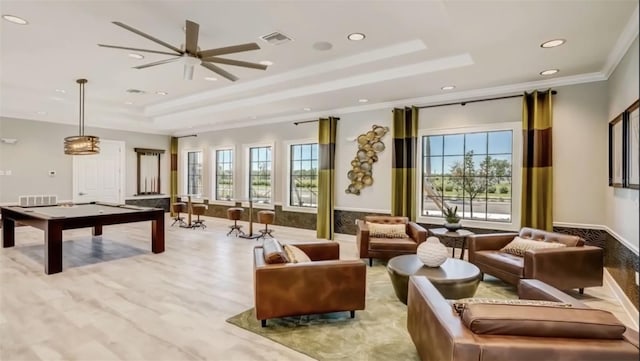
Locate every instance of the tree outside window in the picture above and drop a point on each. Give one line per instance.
(224, 174)
(194, 172)
(260, 174)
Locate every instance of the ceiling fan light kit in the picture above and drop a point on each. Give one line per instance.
(191, 55)
(81, 144)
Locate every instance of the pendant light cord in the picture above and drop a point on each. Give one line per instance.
(81, 122)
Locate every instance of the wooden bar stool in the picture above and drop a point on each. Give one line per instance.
(177, 208)
(198, 210)
(234, 214)
(266, 218)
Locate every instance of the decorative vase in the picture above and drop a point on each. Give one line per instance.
(452, 227)
(432, 253)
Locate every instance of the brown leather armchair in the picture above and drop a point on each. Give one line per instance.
(440, 334)
(385, 248)
(573, 266)
(326, 284)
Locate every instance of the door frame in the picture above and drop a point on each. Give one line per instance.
(121, 145)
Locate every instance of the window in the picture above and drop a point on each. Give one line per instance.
(194, 172)
(472, 171)
(224, 174)
(303, 172)
(260, 174)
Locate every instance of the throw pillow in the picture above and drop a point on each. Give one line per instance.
(542, 321)
(380, 230)
(295, 254)
(461, 304)
(273, 252)
(519, 246)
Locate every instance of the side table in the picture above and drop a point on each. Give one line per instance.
(456, 235)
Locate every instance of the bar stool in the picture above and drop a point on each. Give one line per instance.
(266, 218)
(177, 208)
(198, 210)
(234, 214)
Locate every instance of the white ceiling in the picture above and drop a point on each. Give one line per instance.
(411, 50)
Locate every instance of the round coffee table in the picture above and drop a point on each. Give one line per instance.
(454, 279)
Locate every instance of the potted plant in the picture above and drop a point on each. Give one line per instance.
(452, 220)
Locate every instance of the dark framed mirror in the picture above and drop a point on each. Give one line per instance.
(148, 178)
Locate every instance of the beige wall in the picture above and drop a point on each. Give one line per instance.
(39, 149)
(622, 204)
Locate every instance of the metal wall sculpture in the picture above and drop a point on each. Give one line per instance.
(369, 145)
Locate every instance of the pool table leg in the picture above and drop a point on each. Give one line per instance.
(157, 234)
(8, 232)
(97, 230)
(53, 249)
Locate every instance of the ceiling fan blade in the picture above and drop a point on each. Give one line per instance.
(220, 71)
(136, 49)
(191, 43)
(158, 41)
(236, 63)
(157, 63)
(228, 50)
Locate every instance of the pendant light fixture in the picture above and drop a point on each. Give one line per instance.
(81, 144)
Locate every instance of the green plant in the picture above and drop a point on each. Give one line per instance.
(451, 214)
(504, 189)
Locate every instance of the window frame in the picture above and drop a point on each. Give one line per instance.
(214, 179)
(247, 175)
(184, 170)
(286, 206)
(516, 174)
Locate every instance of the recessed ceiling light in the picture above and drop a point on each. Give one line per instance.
(356, 36)
(42, 113)
(128, 103)
(14, 19)
(363, 100)
(549, 72)
(552, 43)
(210, 78)
(61, 91)
(306, 109)
(162, 93)
(266, 62)
(448, 87)
(136, 56)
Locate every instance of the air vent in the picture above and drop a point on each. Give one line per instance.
(276, 38)
(135, 91)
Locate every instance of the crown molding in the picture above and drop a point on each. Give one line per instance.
(628, 35)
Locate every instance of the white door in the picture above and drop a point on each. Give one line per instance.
(100, 177)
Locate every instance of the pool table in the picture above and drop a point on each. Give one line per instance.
(54, 219)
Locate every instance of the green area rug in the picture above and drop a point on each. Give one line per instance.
(377, 333)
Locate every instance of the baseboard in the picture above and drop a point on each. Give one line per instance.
(627, 305)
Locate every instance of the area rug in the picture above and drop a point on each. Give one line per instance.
(377, 333)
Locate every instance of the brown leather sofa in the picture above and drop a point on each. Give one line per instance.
(573, 266)
(326, 284)
(385, 248)
(440, 334)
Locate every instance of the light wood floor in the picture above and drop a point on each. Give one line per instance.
(115, 300)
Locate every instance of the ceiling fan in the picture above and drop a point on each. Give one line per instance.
(191, 55)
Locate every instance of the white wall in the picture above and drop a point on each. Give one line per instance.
(622, 204)
(579, 154)
(40, 149)
(374, 198)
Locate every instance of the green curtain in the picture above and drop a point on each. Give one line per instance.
(403, 176)
(173, 176)
(537, 170)
(326, 176)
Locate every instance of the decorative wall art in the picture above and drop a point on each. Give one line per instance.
(369, 145)
(632, 128)
(616, 148)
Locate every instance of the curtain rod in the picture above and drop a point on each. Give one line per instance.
(305, 121)
(187, 136)
(476, 101)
